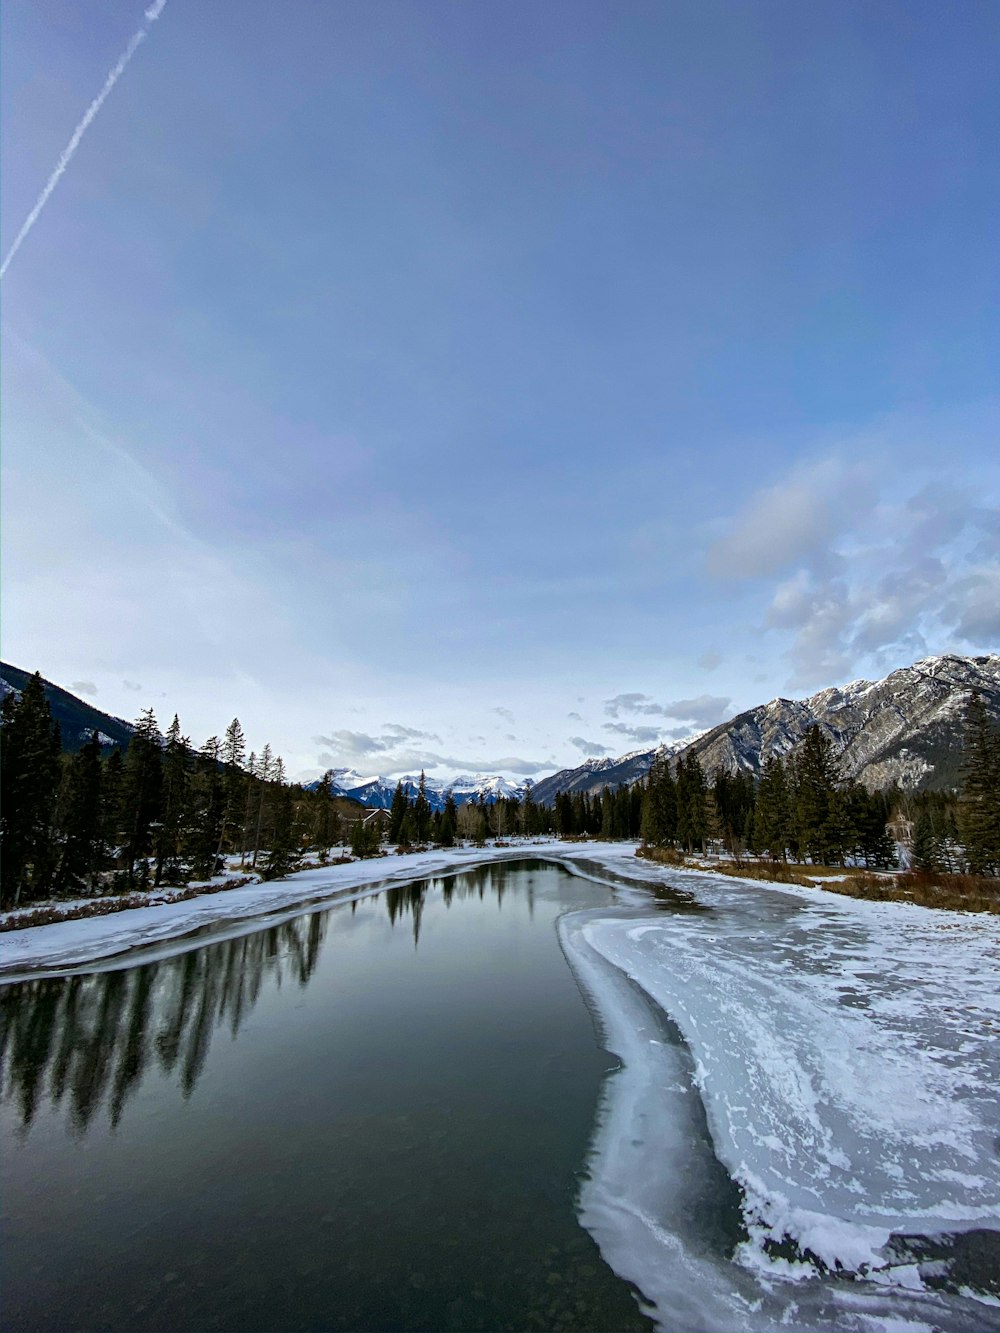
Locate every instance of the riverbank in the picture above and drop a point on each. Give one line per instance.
(938, 889)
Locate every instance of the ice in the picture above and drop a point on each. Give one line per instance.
(847, 1059)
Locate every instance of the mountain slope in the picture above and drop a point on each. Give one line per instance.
(906, 728)
(76, 719)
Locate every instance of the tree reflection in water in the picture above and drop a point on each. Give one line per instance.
(87, 1041)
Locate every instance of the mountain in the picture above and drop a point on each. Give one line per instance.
(76, 719)
(596, 774)
(906, 728)
(377, 792)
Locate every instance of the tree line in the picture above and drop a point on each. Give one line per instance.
(162, 813)
(800, 809)
(166, 813)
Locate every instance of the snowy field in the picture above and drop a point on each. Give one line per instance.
(840, 1058)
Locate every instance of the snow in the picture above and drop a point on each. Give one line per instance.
(88, 940)
(833, 1062)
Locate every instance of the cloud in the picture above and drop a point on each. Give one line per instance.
(574, 717)
(83, 686)
(641, 734)
(350, 749)
(505, 713)
(974, 612)
(353, 745)
(392, 731)
(709, 661)
(704, 710)
(132, 685)
(792, 522)
(631, 703)
(589, 747)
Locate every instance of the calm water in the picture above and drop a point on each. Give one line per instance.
(372, 1116)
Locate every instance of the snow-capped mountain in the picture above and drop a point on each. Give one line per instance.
(906, 728)
(377, 792)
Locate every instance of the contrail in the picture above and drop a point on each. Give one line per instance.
(151, 15)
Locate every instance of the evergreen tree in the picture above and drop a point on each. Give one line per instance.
(170, 835)
(234, 749)
(208, 810)
(281, 854)
(112, 786)
(692, 815)
(142, 796)
(817, 813)
(422, 810)
(82, 853)
(979, 806)
(449, 822)
(925, 848)
(326, 820)
(397, 812)
(773, 818)
(30, 772)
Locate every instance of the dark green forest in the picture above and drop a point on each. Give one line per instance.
(166, 813)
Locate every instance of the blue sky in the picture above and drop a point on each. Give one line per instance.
(486, 385)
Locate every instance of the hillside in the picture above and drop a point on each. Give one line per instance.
(76, 719)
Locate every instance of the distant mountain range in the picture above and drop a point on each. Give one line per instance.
(77, 720)
(906, 728)
(377, 792)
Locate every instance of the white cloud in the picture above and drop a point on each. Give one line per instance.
(641, 734)
(791, 522)
(589, 748)
(83, 686)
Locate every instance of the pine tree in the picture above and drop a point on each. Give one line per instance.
(30, 773)
(234, 749)
(142, 795)
(326, 820)
(170, 835)
(925, 848)
(449, 822)
(772, 821)
(82, 852)
(692, 815)
(422, 810)
(207, 810)
(397, 813)
(817, 814)
(281, 854)
(979, 806)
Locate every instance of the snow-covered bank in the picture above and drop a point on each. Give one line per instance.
(73, 943)
(847, 1055)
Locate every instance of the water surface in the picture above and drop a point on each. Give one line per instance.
(372, 1116)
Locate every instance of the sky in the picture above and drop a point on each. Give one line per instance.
(487, 386)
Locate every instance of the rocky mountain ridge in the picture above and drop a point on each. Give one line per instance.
(906, 728)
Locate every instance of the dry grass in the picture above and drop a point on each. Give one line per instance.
(962, 893)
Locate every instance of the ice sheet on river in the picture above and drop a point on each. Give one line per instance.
(847, 1056)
